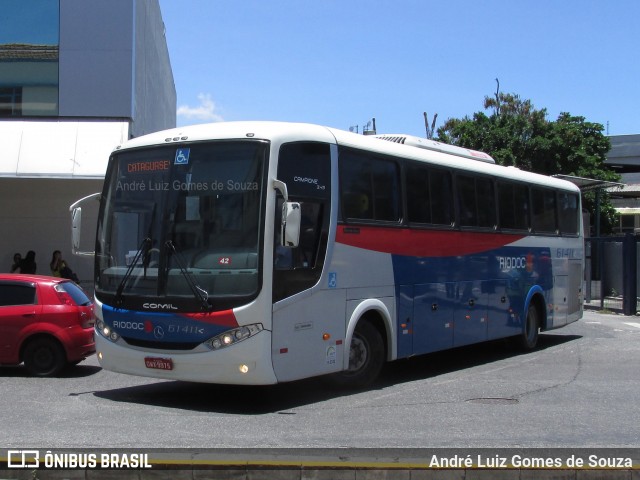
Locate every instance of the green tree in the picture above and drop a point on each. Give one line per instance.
(518, 134)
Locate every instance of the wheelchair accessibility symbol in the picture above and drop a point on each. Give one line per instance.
(182, 156)
(333, 279)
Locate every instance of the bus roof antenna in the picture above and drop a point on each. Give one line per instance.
(430, 131)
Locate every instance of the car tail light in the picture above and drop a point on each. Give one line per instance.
(87, 318)
(63, 296)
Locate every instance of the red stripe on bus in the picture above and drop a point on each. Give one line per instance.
(224, 318)
(422, 243)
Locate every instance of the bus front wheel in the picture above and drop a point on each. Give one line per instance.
(366, 357)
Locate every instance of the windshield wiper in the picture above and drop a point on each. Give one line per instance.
(198, 292)
(144, 247)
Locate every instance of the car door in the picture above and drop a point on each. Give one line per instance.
(18, 310)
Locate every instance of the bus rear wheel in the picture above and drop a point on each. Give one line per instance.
(528, 339)
(366, 357)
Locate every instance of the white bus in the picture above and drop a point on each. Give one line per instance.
(264, 252)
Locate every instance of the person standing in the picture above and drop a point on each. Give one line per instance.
(57, 264)
(28, 264)
(59, 267)
(17, 259)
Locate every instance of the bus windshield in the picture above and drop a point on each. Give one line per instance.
(179, 227)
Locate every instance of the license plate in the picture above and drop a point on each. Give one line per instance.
(158, 363)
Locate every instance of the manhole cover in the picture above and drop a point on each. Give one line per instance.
(494, 401)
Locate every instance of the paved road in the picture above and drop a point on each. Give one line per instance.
(578, 389)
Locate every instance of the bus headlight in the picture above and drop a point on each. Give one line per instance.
(233, 336)
(105, 330)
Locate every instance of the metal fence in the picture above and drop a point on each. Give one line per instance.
(612, 273)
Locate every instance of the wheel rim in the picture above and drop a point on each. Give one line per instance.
(43, 358)
(358, 354)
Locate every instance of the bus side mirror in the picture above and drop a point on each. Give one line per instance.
(291, 220)
(76, 228)
(76, 224)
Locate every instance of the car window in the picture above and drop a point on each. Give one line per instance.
(76, 293)
(17, 294)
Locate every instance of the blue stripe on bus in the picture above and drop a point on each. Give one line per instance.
(167, 327)
(455, 287)
(451, 301)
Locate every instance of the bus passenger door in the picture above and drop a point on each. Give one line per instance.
(308, 317)
(470, 317)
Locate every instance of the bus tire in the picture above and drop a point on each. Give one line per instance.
(44, 357)
(528, 339)
(366, 357)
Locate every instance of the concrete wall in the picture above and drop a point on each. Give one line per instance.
(114, 63)
(34, 215)
(154, 89)
(96, 58)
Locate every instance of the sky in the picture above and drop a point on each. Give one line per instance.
(342, 63)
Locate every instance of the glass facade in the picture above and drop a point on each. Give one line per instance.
(29, 57)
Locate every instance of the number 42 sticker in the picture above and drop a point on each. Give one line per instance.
(224, 260)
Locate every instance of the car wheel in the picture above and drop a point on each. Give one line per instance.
(44, 357)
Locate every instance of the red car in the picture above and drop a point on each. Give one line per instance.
(45, 322)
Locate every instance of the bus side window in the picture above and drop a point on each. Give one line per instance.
(476, 201)
(467, 201)
(513, 205)
(441, 197)
(429, 196)
(370, 187)
(568, 221)
(544, 210)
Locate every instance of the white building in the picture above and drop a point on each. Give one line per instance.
(624, 156)
(77, 78)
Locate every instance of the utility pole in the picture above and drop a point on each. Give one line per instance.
(498, 98)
